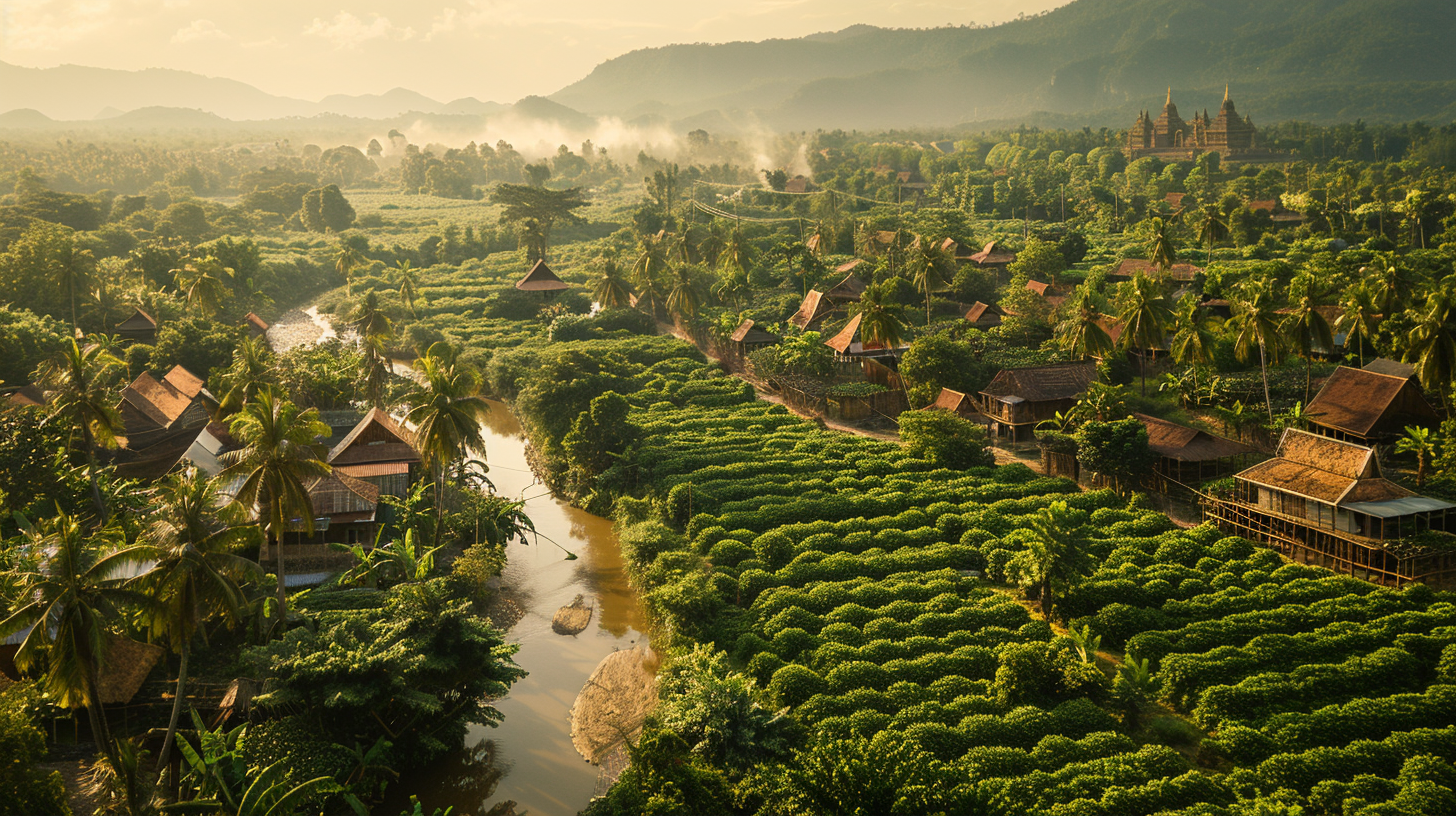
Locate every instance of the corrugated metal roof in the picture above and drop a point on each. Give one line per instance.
(1408, 506)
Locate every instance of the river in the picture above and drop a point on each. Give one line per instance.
(528, 758)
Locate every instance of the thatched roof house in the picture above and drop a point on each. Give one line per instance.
(849, 266)
(1017, 399)
(984, 316)
(1367, 407)
(849, 343)
(1128, 267)
(1189, 455)
(27, 396)
(814, 308)
(125, 668)
(541, 279)
(962, 405)
(256, 326)
(750, 338)
(1391, 368)
(846, 291)
(138, 327)
(993, 256)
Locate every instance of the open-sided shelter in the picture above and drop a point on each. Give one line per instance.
(541, 279)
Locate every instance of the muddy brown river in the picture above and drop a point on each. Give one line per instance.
(529, 759)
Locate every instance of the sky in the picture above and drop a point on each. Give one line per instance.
(493, 50)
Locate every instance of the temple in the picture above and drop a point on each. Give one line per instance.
(1169, 136)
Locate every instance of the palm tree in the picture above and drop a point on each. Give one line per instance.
(879, 319)
(1080, 334)
(1431, 345)
(375, 331)
(71, 273)
(251, 371)
(930, 269)
(83, 384)
(1212, 229)
(1420, 441)
(712, 244)
(533, 239)
(1160, 245)
(277, 452)
(202, 286)
(408, 279)
(447, 414)
(682, 297)
(610, 289)
(737, 254)
(70, 602)
(347, 259)
(1256, 326)
(648, 269)
(192, 536)
(1056, 554)
(1306, 331)
(1359, 317)
(1192, 329)
(1389, 284)
(1145, 318)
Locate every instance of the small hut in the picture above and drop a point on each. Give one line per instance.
(256, 326)
(748, 338)
(848, 343)
(962, 405)
(812, 311)
(848, 267)
(140, 327)
(984, 316)
(541, 279)
(27, 396)
(1129, 267)
(1392, 368)
(1017, 399)
(848, 290)
(380, 451)
(994, 258)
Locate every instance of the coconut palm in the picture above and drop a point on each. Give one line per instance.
(408, 279)
(1145, 317)
(1359, 317)
(648, 270)
(879, 319)
(1160, 245)
(1056, 555)
(682, 297)
(69, 603)
(1431, 345)
(251, 370)
(82, 382)
(1256, 327)
(1389, 283)
(71, 272)
(203, 285)
(737, 253)
(277, 454)
(1080, 335)
(191, 536)
(1306, 332)
(447, 415)
(347, 260)
(1212, 229)
(1193, 338)
(1422, 443)
(930, 269)
(375, 330)
(609, 288)
(711, 246)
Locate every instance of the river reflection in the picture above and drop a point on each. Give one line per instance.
(529, 758)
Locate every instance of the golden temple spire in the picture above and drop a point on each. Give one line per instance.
(1170, 95)
(1225, 92)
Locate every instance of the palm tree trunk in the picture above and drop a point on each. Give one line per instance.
(96, 712)
(96, 499)
(282, 575)
(176, 708)
(1264, 370)
(1307, 365)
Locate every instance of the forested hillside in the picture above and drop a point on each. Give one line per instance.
(1102, 58)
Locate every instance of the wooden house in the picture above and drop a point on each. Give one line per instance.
(848, 290)
(542, 280)
(1367, 407)
(139, 327)
(1324, 501)
(812, 311)
(1017, 399)
(748, 338)
(984, 316)
(848, 343)
(380, 451)
(345, 510)
(1189, 456)
(161, 425)
(190, 386)
(1392, 368)
(993, 258)
(1047, 292)
(1127, 268)
(962, 405)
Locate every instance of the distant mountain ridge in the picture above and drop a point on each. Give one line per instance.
(75, 92)
(1103, 59)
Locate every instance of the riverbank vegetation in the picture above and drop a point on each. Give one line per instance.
(849, 624)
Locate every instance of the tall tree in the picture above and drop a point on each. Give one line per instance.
(1080, 334)
(682, 295)
(347, 260)
(1359, 317)
(408, 279)
(1212, 228)
(1160, 245)
(930, 269)
(375, 330)
(447, 414)
(203, 284)
(648, 270)
(1193, 339)
(1421, 442)
(70, 603)
(609, 288)
(1056, 555)
(192, 536)
(1256, 328)
(83, 381)
(253, 369)
(1431, 344)
(520, 202)
(1306, 331)
(879, 319)
(278, 451)
(1145, 317)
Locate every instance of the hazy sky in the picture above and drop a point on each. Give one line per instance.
(489, 49)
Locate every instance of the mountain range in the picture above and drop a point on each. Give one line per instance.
(1091, 62)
